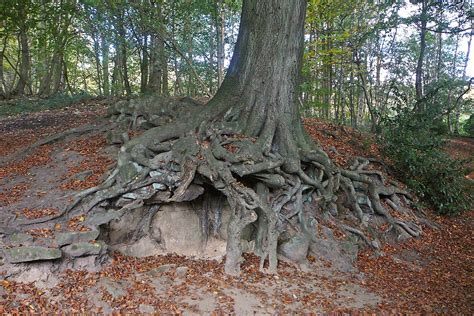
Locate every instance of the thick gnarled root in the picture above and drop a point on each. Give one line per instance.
(177, 162)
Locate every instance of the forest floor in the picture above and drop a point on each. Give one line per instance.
(432, 274)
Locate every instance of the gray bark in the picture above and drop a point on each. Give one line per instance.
(464, 77)
(24, 64)
(220, 23)
(421, 56)
(105, 65)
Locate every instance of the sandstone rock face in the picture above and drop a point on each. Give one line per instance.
(175, 228)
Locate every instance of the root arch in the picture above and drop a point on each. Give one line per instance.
(273, 179)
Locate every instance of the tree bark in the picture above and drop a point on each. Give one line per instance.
(421, 56)
(220, 24)
(105, 65)
(144, 65)
(24, 64)
(155, 81)
(263, 76)
(464, 77)
(3, 92)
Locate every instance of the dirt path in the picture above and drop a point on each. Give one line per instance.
(431, 274)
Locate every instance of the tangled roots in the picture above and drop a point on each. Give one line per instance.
(175, 162)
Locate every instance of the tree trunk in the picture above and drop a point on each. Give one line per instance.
(155, 81)
(421, 56)
(105, 65)
(156, 74)
(57, 70)
(24, 64)
(3, 92)
(457, 109)
(189, 55)
(264, 73)
(144, 65)
(164, 67)
(220, 24)
(97, 63)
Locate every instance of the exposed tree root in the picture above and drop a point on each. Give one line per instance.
(267, 179)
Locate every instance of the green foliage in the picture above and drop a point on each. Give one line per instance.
(468, 126)
(21, 106)
(417, 155)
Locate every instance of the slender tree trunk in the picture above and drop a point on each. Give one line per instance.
(220, 24)
(351, 99)
(421, 56)
(57, 72)
(122, 56)
(165, 81)
(24, 64)
(105, 65)
(156, 73)
(97, 63)
(439, 39)
(155, 82)
(124, 64)
(189, 55)
(164, 54)
(450, 92)
(3, 89)
(464, 77)
(144, 65)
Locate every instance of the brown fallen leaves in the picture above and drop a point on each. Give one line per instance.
(41, 232)
(94, 161)
(346, 141)
(76, 224)
(432, 274)
(14, 194)
(37, 213)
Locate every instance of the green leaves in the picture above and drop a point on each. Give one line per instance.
(419, 157)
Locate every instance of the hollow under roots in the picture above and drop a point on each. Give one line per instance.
(175, 161)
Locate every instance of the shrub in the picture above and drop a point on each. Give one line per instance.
(417, 155)
(468, 126)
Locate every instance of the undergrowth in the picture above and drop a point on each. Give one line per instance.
(21, 106)
(411, 143)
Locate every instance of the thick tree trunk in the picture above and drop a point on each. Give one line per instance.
(263, 76)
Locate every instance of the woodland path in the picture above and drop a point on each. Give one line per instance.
(432, 274)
